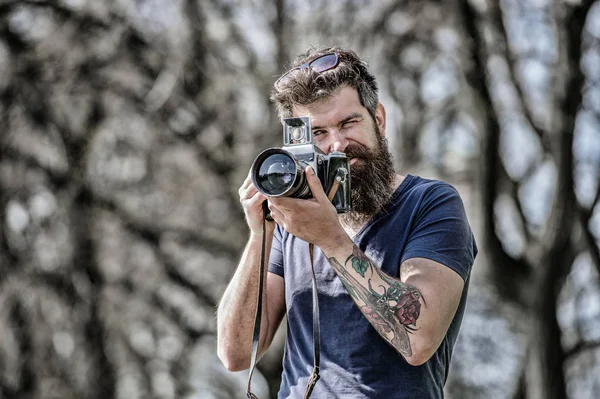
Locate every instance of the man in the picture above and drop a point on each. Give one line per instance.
(392, 274)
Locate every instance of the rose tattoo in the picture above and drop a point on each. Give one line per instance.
(409, 307)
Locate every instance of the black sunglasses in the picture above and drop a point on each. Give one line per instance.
(320, 64)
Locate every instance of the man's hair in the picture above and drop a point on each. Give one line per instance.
(303, 87)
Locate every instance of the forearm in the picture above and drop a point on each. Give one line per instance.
(237, 309)
(391, 306)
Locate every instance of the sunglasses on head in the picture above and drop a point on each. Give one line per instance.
(320, 64)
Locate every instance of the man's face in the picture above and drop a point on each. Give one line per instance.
(341, 123)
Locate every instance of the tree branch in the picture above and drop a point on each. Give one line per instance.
(498, 22)
(581, 347)
(505, 269)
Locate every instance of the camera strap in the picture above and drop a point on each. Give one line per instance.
(316, 320)
(314, 377)
(258, 316)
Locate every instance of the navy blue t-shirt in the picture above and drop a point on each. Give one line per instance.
(425, 219)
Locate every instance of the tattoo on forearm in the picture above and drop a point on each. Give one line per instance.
(359, 260)
(392, 307)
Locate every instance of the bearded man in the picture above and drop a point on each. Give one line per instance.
(392, 274)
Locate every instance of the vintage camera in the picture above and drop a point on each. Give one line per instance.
(279, 172)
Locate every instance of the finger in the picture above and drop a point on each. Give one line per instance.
(271, 205)
(256, 200)
(276, 209)
(243, 188)
(315, 185)
(248, 192)
(248, 182)
(280, 202)
(287, 203)
(276, 214)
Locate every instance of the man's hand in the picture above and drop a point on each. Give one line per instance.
(313, 220)
(238, 306)
(251, 200)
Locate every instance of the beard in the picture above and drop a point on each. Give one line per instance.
(371, 180)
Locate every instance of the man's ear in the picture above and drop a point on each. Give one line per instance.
(380, 118)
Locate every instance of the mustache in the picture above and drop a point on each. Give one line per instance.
(359, 151)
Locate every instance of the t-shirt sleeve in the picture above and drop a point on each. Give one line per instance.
(276, 256)
(441, 232)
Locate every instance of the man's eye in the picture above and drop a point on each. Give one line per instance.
(349, 123)
(318, 132)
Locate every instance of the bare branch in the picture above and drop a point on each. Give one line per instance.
(580, 348)
(506, 269)
(498, 22)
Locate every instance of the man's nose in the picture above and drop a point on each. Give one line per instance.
(339, 142)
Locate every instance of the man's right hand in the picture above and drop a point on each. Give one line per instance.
(237, 307)
(251, 200)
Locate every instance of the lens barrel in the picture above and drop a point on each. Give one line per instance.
(277, 173)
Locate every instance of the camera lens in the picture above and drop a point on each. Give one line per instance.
(276, 172)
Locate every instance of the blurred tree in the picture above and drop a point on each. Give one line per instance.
(535, 226)
(118, 174)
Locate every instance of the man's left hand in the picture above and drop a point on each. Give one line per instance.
(314, 220)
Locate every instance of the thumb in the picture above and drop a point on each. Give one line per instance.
(315, 185)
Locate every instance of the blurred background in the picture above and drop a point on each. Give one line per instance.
(126, 128)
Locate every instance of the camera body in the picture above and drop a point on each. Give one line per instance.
(279, 172)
